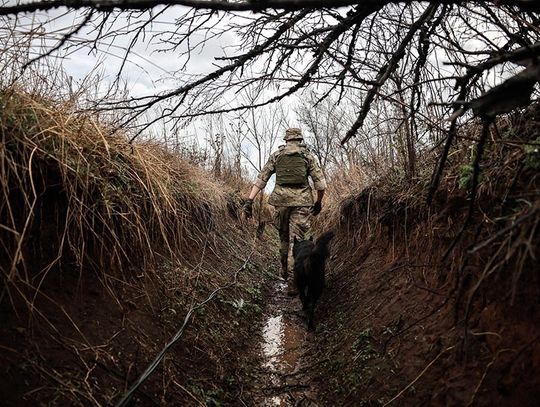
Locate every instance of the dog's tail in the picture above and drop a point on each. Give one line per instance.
(321, 245)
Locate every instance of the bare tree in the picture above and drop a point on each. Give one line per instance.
(324, 123)
(261, 130)
(427, 61)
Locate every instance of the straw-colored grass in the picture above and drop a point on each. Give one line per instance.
(75, 190)
(133, 227)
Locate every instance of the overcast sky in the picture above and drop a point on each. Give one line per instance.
(149, 68)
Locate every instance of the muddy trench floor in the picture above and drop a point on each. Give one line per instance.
(284, 346)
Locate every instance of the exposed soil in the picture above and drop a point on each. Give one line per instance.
(407, 321)
(425, 305)
(93, 347)
(388, 336)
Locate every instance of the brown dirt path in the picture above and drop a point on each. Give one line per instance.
(284, 346)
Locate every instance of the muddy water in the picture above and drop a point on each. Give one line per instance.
(284, 347)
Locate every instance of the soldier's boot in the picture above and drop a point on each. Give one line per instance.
(291, 284)
(292, 291)
(284, 269)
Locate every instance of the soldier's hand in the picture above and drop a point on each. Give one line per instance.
(316, 208)
(248, 208)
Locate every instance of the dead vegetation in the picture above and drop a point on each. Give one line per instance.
(438, 304)
(108, 250)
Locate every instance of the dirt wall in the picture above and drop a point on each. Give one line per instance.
(109, 249)
(437, 305)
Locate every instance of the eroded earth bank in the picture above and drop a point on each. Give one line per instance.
(130, 275)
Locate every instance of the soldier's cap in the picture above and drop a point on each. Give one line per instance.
(293, 133)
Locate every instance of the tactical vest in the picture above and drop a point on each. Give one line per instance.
(291, 169)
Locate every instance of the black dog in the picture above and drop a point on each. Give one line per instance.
(309, 262)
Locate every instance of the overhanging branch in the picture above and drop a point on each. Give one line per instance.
(290, 5)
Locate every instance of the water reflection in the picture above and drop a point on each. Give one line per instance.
(273, 340)
(282, 346)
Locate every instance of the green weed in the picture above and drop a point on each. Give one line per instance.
(210, 398)
(532, 155)
(363, 346)
(465, 176)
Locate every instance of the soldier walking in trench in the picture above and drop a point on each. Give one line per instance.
(292, 196)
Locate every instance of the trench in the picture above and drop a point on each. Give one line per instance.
(284, 348)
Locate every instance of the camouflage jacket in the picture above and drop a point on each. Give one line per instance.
(292, 196)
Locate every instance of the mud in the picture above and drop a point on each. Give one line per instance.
(284, 374)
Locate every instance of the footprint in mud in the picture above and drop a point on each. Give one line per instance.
(284, 347)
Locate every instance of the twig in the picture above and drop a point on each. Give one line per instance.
(486, 370)
(386, 70)
(504, 230)
(155, 363)
(474, 187)
(418, 377)
(225, 5)
(199, 402)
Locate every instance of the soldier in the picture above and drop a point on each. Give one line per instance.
(292, 196)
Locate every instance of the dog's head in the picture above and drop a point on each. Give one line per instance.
(300, 246)
(326, 237)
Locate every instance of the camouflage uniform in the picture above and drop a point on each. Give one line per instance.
(293, 204)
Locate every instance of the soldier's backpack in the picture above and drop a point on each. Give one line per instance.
(292, 168)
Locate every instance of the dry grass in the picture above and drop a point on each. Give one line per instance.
(156, 231)
(439, 267)
(75, 192)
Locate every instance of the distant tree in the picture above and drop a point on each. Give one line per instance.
(323, 124)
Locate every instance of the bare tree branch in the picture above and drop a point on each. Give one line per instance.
(387, 69)
(290, 5)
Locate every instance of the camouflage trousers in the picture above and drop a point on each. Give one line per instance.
(291, 222)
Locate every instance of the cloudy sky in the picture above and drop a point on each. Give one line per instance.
(150, 67)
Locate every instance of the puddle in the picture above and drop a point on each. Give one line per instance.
(273, 340)
(283, 345)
